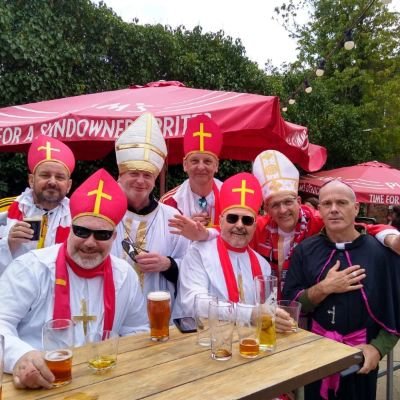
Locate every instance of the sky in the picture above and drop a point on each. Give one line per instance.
(251, 21)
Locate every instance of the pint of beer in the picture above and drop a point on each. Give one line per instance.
(159, 312)
(58, 342)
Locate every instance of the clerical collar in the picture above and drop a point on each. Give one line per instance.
(147, 209)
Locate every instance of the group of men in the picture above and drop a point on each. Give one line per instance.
(151, 249)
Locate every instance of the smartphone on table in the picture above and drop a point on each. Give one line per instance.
(186, 324)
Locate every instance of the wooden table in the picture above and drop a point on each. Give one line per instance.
(180, 369)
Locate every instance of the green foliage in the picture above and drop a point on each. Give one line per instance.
(352, 110)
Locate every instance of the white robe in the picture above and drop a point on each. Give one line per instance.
(201, 272)
(59, 216)
(27, 302)
(188, 202)
(158, 240)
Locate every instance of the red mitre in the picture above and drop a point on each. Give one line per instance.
(241, 190)
(44, 148)
(99, 196)
(202, 135)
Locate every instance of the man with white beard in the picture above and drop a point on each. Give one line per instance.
(76, 280)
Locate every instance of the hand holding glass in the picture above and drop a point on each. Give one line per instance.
(293, 309)
(58, 342)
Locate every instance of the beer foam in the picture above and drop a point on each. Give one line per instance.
(58, 355)
(158, 296)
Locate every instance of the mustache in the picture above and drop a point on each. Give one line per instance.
(239, 231)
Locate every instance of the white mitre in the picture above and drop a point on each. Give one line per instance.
(276, 173)
(141, 146)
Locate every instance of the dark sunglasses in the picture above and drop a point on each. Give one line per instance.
(84, 233)
(247, 220)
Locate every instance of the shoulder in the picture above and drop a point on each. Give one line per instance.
(6, 202)
(218, 183)
(167, 210)
(167, 197)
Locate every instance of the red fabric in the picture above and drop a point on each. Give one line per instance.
(45, 148)
(241, 190)
(202, 135)
(100, 196)
(62, 308)
(250, 123)
(372, 182)
(230, 279)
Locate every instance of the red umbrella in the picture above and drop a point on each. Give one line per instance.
(250, 123)
(373, 182)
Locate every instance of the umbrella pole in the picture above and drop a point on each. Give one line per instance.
(163, 180)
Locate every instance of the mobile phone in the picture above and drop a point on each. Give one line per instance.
(353, 368)
(186, 324)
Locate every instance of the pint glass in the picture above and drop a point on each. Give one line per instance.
(58, 342)
(266, 299)
(247, 327)
(159, 312)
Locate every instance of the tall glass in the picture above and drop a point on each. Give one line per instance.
(266, 288)
(1, 362)
(159, 312)
(222, 316)
(201, 306)
(247, 328)
(58, 343)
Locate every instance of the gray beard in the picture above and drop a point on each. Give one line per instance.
(85, 263)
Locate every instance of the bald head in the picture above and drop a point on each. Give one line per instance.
(331, 185)
(338, 209)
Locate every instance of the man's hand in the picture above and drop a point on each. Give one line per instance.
(152, 262)
(19, 233)
(31, 372)
(202, 217)
(190, 229)
(393, 242)
(337, 281)
(371, 358)
(283, 321)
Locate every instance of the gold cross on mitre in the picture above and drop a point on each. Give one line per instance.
(48, 149)
(99, 194)
(243, 190)
(202, 135)
(84, 318)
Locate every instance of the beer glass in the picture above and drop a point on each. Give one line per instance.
(58, 342)
(159, 312)
(266, 288)
(201, 305)
(103, 350)
(293, 308)
(222, 318)
(1, 362)
(247, 325)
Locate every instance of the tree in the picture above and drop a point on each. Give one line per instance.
(58, 48)
(352, 109)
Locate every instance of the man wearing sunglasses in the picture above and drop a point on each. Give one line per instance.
(76, 280)
(51, 164)
(198, 196)
(143, 231)
(225, 266)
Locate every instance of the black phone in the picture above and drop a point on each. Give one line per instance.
(186, 324)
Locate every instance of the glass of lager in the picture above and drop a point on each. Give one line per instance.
(103, 350)
(201, 305)
(247, 327)
(58, 342)
(266, 299)
(222, 317)
(1, 362)
(159, 312)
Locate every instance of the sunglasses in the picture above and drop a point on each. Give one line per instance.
(247, 220)
(84, 233)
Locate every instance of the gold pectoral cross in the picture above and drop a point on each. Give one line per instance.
(84, 318)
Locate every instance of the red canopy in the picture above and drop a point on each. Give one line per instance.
(373, 182)
(250, 123)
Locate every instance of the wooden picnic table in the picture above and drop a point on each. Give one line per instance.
(180, 369)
